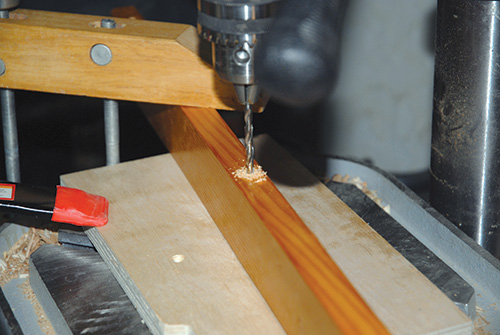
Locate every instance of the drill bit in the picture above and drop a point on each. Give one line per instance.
(248, 117)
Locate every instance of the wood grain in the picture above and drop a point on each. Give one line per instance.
(152, 61)
(277, 250)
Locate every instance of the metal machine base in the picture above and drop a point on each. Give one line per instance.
(471, 262)
(80, 294)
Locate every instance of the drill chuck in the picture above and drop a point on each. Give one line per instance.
(234, 28)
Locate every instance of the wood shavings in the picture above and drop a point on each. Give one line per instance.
(258, 175)
(363, 186)
(15, 261)
(15, 264)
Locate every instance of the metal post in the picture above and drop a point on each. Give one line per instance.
(465, 163)
(111, 118)
(11, 145)
(112, 132)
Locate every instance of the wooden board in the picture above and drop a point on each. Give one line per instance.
(152, 61)
(168, 254)
(303, 286)
(155, 215)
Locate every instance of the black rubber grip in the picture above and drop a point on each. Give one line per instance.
(297, 61)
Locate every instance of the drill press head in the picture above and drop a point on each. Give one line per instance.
(234, 28)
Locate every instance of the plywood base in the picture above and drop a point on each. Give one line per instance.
(168, 254)
(162, 244)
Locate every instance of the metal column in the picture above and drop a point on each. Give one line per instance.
(465, 164)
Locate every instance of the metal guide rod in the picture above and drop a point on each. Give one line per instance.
(11, 145)
(112, 132)
(111, 118)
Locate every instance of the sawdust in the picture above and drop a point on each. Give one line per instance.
(363, 186)
(480, 324)
(258, 175)
(15, 264)
(42, 319)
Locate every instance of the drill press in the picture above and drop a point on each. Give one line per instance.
(234, 28)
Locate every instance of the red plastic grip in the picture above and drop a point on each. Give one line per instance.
(80, 208)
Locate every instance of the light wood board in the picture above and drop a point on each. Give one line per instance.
(168, 254)
(152, 61)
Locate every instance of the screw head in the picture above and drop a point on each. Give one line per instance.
(2, 67)
(108, 23)
(101, 54)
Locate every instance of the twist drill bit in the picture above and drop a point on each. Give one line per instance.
(249, 137)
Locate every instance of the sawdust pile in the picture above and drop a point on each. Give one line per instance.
(363, 186)
(15, 264)
(258, 175)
